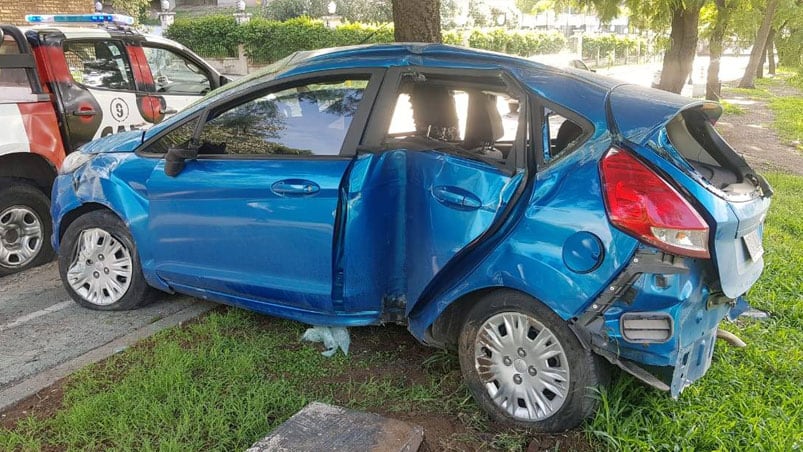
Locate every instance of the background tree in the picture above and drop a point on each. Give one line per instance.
(749, 77)
(718, 14)
(417, 20)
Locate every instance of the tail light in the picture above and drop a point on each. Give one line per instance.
(643, 204)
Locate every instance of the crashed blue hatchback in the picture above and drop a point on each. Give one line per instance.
(544, 222)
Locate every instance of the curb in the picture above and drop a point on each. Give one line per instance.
(31, 385)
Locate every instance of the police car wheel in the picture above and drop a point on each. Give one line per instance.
(25, 227)
(99, 264)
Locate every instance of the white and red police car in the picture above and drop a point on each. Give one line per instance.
(68, 79)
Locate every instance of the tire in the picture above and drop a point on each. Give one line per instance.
(99, 264)
(25, 228)
(495, 360)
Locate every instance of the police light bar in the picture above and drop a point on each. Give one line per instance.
(117, 19)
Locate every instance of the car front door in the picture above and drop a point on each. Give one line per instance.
(251, 220)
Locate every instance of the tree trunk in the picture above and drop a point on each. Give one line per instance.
(679, 57)
(749, 78)
(771, 51)
(761, 63)
(417, 20)
(713, 86)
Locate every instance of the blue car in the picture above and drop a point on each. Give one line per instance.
(544, 222)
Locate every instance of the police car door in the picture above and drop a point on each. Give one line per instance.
(101, 95)
(178, 78)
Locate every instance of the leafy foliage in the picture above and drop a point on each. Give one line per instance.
(266, 40)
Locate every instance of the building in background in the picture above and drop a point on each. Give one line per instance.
(14, 11)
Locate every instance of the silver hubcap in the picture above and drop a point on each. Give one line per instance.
(522, 365)
(101, 268)
(20, 236)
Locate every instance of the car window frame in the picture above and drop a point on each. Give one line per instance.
(214, 82)
(122, 44)
(348, 149)
(377, 127)
(541, 103)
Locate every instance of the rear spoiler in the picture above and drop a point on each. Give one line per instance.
(638, 124)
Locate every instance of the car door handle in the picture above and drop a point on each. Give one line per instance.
(168, 111)
(456, 197)
(89, 112)
(295, 187)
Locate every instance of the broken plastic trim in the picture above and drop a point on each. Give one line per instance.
(589, 326)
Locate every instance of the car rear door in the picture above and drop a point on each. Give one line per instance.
(444, 158)
(251, 220)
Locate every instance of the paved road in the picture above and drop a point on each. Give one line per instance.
(42, 329)
(731, 68)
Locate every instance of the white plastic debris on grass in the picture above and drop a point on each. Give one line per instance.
(332, 338)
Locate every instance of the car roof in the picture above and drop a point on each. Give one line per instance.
(566, 86)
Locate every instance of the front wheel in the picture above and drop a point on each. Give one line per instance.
(524, 366)
(25, 228)
(99, 265)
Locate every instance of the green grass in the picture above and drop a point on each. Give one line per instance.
(226, 381)
(789, 118)
(751, 398)
(732, 109)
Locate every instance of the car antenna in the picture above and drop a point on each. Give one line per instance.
(373, 33)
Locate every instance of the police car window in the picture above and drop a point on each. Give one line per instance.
(174, 74)
(98, 64)
(13, 81)
(310, 119)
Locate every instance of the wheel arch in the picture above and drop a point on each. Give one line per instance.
(444, 331)
(79, 211)
(30, 167)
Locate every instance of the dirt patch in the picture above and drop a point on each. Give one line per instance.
(42, 405)
(751, 133)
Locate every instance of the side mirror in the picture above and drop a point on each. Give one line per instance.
(1, 34)
(174, 160)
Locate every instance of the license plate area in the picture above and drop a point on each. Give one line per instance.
(752, 242)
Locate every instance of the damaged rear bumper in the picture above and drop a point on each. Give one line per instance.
(658, 320)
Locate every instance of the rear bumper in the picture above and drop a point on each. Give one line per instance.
(661, 325)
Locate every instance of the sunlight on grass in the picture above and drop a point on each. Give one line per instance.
(731, 108)
(752, 398)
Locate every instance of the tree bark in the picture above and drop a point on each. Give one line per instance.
(749, 77)
(679, 57)
(417, 20)
(713, 86)
(771, 52)
(761, 63)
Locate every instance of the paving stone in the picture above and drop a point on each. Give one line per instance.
(322, 427)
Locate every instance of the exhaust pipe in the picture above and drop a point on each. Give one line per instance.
(731, 339)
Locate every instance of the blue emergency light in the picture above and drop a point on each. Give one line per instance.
(117, 19)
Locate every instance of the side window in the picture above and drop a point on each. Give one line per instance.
(448, 115)
(177, 138)
(99, 64)
(174, 74)
(560, 134)
(310, 119)
(14, 81)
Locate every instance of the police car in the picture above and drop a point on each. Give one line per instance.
(68, 79)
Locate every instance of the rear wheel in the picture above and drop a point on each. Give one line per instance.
(524, 366)
(99, 264)
(25, 228)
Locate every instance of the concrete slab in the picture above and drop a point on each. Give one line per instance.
(319, 427)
